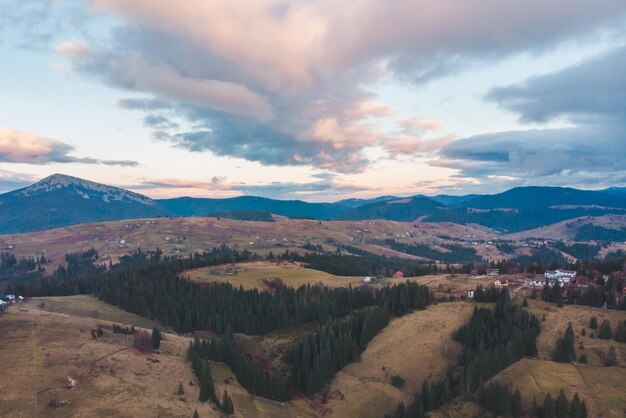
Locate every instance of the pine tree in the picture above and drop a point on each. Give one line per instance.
(181, 390)
(525, 303)
(561, 405)
(620, 332)
(564, 351)
(156, 337)
(548, 407)
(593, 323)
(575, 408)
(535, 410)
(195, 414)
(227, 404)
(516, 404)
(605, 332)
(583, 410)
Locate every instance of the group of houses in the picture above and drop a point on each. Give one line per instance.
(371, 279)
(8, 300)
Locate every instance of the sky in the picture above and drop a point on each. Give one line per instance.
(315, 100)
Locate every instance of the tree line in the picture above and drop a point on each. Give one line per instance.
(202, 370)
(492, 340)
(318, 356)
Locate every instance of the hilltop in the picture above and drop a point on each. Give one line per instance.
(61, 200)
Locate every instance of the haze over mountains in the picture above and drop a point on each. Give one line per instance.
(61, 200)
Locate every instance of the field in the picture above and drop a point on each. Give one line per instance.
(555, 324)
(413, 347)
(601, 387)
(252, 275)
(40, 349)
(46, 340)
(177, 236)
(86, 306)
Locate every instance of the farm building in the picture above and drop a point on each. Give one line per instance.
(492, 272)
(398, 274)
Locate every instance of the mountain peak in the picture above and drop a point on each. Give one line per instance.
(85, 188)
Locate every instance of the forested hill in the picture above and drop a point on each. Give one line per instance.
(61, 200)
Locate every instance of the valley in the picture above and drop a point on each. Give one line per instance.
(308, 317)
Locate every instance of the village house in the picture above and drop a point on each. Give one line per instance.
(398, 274)
(537, 283)
(501, 283)
(492, 272)
(470, 294)
(580, 283)
(560, 275)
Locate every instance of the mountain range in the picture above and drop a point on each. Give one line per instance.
(61, 200)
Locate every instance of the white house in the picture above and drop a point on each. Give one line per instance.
(559, 274)
(470, 294)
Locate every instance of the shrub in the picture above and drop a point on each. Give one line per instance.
(142, 341)
(593, 323)
(611, 357)
(583, 332)
(582, 359)
(397, 381)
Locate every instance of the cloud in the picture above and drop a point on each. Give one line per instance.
(325, 185)
(27, 148)
(10, 180)
(591, 92)
(292, 76)
(591, 153)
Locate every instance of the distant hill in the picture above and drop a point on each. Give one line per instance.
(453, 200)
(355, 203)
(61, 200)
(616, 191)
(543, 197)
(188, 206)
(406, 210)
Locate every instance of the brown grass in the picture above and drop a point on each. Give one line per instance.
(555, 324)
(253, 274)
(412, 347)
(40, 349)
(186, 235)
(86, 306)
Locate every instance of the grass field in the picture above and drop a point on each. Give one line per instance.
(86, 306)
(252, 275)
(40, 349)
(412, 347)
(555, 324)
(602, 388)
